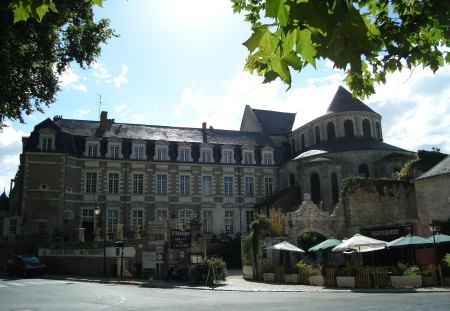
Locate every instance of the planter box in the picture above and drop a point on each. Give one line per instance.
(291, 278)
(406, 281)
(346, 281)
(269, 277)
(247, 272)
(427, 281)
(317, 280)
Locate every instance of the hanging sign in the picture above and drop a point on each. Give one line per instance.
(180, 238)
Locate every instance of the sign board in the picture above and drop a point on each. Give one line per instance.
(180, 238)
(149, 260)
(85, 252)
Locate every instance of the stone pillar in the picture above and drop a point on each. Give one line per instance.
(118, 232)
(97, 237)
(137, 232)
(80, 235)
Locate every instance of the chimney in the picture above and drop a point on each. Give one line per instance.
(103, 120)
(205, 132)
(57, 117)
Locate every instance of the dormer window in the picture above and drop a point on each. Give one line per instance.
(114, 148)
(46, 139)
(161, 151)
(138, 150)
(206, 152)
(184, 153)
(92, 148)
(267, 156)
(227, 155)
(248, 156)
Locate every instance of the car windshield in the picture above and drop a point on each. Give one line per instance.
(30, 260)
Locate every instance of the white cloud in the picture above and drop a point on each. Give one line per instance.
(80, 87)
(69, 79)
(80, 113)
(121, 107)
(100, 71)
(121, 79)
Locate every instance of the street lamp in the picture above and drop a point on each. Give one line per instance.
(434, 228)
(97, 212)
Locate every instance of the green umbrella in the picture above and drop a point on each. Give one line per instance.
(440, 238)
(325, 245)
(410, 241)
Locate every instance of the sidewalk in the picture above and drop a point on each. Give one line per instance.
(235, 282)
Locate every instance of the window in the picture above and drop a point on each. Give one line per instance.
(161, 184)
(348, 129)
(363, 170)
(139, 153)
(207, 185)
(112, 219)
(227, 156)
(46, 143)
(317, 131)
(228, 185)
(185, 184)
(207, 222)
(367, 132)
(138, 182)
(207, 156)
(249, 186)
(87, 215)
(161, 215)
(161, 154)
(249, 219)
(316, 196)
(113, 183)
(248, 157)
(91, 182)
(40, 228)
(268, 185)
(229, 222)
(137, 217)
(184, 155)
(334, 188)
(13, 226)
(184, 216)
(267, 158)
(114, 152)
(331, 132)
(92, 150)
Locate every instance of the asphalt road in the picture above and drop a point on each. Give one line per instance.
(43, 294)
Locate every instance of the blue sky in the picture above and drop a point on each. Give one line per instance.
(180, 63)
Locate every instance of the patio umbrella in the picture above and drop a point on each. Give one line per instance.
(410, 241)
(439, 238)
(325, 245)
(360, 243)
(286, 246)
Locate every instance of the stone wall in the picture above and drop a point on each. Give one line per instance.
(371, 202)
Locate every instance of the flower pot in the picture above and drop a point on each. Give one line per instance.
(317, 280)
(269, 277)
(291, 278)
(346, 281)
(406, 281)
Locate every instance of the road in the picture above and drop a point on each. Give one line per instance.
(41, 294)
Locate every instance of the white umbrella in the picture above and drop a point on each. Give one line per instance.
(286, 246)
(361, 244)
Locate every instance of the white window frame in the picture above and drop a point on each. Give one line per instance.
(92, 150)
(249, 218)
(228, 155)
(267, 156)
(138, 183)
(207, 185)
(137, 218)
(113, 183)
(161, 214)
(161, 184)
(114, 151)
(161, 151)
(206, 154)
(47, 139)
(184, 153)
(268, 186)
(184, 215)
(249, 186)
(185, 185)
(229, 222)
(138, 150)
(13, 226)
(228, 185)
(248, 156)
(91, 182)
(207, 218)
(112, 219)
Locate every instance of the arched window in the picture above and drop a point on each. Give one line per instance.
(317, 135)
(331, 132)
(334, 188)
(293, 146)
(367, 132)
(378, 131)
(348, 129)
(315, 188)
(291, 180)
(303, 141)
(363, 170)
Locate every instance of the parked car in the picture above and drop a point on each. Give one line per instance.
(24, 265)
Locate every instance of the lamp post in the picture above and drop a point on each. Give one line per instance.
(434, 228)
(97, 212)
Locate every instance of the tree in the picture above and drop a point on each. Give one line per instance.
(365, 38)
(36, 49)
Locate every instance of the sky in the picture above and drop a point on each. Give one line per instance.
(181, 63)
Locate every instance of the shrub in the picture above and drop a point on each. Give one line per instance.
(204, 273)
(445, 264)
(311, 269)
(413, 270)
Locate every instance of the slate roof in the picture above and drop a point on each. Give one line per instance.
(343, 101)
(275, 122)
(440, 169)
(348, 145)
(173, 134)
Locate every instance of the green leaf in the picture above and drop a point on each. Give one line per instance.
(294, 61)
(96, 2)
(41, 11)
(306, 47)
(22, 10)
(280, 67)
(278, 10)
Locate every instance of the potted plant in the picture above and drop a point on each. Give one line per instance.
(303, 272)
(316, 275)
(406, 276)
(445, 266)
(345, 277)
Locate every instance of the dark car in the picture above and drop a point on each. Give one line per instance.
(24, 265)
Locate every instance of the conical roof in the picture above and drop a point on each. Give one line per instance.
(343, 101)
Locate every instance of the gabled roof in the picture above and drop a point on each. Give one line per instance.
(343, 101)
(440, 169)
(275, 122)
